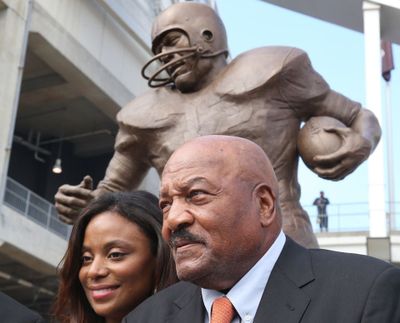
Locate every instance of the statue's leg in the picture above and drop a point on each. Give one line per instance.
(297, 225)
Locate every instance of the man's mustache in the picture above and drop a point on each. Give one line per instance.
(183, 234)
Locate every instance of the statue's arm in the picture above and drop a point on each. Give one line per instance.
(308, 94)
(125, 171)
(128, 165)
(359, 139)
(367, 125)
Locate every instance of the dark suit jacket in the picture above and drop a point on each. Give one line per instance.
(13, 312)
(307, 286)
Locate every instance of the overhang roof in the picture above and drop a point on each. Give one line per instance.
(348, 13)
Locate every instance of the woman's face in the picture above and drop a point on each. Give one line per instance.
(117, 271)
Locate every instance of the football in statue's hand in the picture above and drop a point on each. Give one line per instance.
(313, 140)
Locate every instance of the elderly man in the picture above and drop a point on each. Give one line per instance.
(223, 222)
(263, 95)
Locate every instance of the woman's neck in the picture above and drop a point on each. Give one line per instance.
(113, 320)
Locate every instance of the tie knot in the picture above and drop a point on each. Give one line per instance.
(222, 310)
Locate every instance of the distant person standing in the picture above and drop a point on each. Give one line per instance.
(321, 202)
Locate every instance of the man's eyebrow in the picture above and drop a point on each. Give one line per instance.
(182, 185)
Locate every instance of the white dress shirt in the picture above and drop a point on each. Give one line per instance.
(246, 294)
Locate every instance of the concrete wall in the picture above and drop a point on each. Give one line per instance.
(14, 26)
(85, 44)
(29, 243)
(356, 242)
(90, 25)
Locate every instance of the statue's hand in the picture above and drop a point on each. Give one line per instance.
(353, 151)
(71, 199)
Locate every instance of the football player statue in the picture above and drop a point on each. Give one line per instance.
(263, 95)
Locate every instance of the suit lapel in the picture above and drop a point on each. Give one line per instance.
(283, 299)
(190, 307)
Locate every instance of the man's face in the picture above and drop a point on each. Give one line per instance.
(187, 74)
(211, 219)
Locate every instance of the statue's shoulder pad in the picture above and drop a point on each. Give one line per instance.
(254, 68)
(147, 111)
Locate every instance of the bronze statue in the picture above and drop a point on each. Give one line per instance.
(263, 95)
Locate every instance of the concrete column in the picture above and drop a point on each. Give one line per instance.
(377, 216)
(14, 26)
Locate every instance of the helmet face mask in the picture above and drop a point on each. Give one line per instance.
(205, 33)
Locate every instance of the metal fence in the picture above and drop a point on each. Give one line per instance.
(344, 217)
(35, 208)
(351, 217)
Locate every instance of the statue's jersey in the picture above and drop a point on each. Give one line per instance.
(263, 95)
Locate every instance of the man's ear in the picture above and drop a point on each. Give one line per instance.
(266, 199)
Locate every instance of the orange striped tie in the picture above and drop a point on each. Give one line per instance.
(222, 310)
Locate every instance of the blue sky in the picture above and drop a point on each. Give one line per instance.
(336, 53)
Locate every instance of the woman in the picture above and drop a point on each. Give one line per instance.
(115, 259)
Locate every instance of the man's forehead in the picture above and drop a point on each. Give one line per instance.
(202, 152)
(185, 171)
(183, 181)
(187, 164)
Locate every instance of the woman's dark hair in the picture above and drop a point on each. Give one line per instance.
(139, 207)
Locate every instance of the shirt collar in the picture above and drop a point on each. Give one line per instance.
(246, 294)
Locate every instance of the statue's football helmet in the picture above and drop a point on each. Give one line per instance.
(200, 23)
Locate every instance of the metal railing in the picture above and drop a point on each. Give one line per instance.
(351, 217)
(35, 208)
(344, 217)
